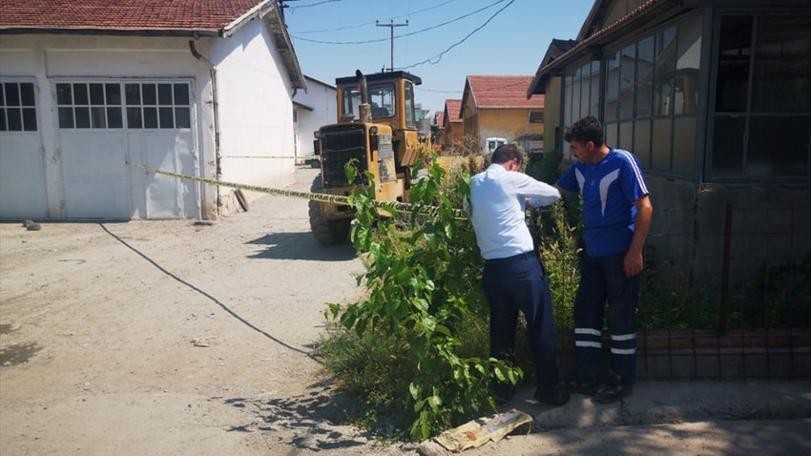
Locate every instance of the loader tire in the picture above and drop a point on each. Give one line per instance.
(327, 232)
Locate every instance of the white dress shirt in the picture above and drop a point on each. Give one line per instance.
(497, 198)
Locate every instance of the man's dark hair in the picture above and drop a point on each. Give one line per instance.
(584, 130)
(505, 153)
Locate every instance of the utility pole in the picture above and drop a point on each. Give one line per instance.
(391, 25)
(283, 6)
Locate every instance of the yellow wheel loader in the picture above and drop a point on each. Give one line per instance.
(376, 126)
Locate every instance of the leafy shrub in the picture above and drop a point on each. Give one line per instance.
(423, 292)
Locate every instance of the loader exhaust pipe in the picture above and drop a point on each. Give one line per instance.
(365, 109)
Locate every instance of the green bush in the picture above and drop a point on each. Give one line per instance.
(423, 293)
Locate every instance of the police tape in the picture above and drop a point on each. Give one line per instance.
(326, 198)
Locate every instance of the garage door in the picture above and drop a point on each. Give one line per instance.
(22, 171)
(102, 125)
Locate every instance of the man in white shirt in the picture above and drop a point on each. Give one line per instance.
(514, 278)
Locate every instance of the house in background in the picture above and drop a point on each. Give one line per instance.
(438, 129)
(714, 97)
(552, 97)
(316, 107)
(452, 124)
(199, 87)
(497, 106)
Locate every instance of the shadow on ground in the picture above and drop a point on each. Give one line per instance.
(318, 420)
(18, 353)
(300, 246)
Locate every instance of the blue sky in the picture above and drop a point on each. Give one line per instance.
(513, 42)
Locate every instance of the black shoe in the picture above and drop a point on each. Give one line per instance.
(613, 392)
(584, 387)
(555, 397)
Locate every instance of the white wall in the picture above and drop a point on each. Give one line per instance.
(48, 57)
(323, 100)
(256, 109)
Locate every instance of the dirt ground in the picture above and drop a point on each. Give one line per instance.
(166, 337)
(170, 338)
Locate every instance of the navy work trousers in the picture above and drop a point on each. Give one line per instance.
(602, 279)
(520, 283)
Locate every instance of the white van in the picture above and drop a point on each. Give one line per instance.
(491, 144)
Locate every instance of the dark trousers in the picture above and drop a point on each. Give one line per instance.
(603, 279)
(519, 283)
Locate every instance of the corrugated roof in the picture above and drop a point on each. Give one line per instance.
(123, 15)
(453, 108)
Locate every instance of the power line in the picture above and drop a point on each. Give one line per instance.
(363, 24)
(426, 29)
(322, 2)
(437, 90)
(436, 59)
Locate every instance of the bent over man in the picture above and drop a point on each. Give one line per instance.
(616, 218)
(514, 278)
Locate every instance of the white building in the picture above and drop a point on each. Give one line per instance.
(316, 107)
(200, 87)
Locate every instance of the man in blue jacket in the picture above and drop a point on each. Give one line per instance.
(617, 215)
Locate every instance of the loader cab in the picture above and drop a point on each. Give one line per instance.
(391, 96)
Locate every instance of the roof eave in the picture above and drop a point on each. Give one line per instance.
(109, 31)
(258, 11)
(284, 45)
(606, 34)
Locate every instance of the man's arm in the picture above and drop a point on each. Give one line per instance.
(536, 192)
(633, 263)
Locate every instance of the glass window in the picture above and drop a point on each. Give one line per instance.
(684, 145)
(660, 147)
(12, 91)
(771, 135)
(644, 77)
(585, 89)
(89, 105)
(788, 136)
(576, 91)
(381, 99)
(642, 129)
(411, 120)
(594, 108)
(611, 137)
(688, 63)
(626, 136)
(612, 87)
(727, 156)
(567, 102)
(172, 110)
(18, 107)
(536, 117)
(735, 49)
(664, 69)
(626, 90)
(782, 69)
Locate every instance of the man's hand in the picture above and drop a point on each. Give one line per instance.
(633, 263)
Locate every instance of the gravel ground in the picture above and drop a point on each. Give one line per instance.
(170, 337)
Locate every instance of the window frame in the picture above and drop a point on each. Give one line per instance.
(699, 115)
(122, 82)
(711, 112)
(36, 106)
(537, 113)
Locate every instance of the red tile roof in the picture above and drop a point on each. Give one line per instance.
(454, 109)
(501, 92)
(122, 15)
